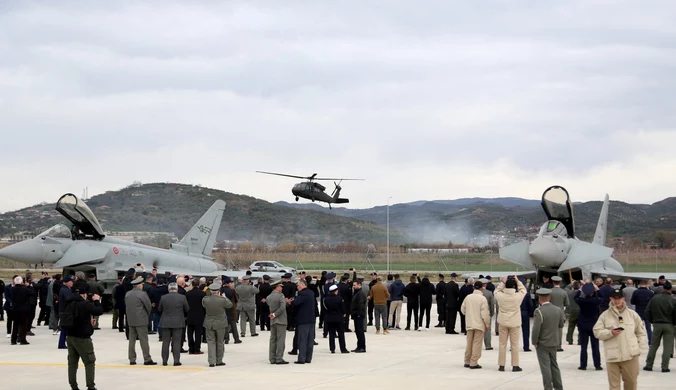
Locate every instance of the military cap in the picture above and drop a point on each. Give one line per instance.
(543, 291)
(478, 285)
(667, 285)
(266, 277)
(68, 279)
(617, 293)
(661, 277)
(287, 276)
(588, 288)
(246, 277)
(137, 281)
(226, 280)
(481, 276)
(333, 288)
(331, 275)
(484, 280)
(276, 284)
(489, 277)
(214, 286)
(345, 277)
(556, 279)
(454, 275)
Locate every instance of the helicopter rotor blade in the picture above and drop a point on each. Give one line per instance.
(283, 174)
(335, 178)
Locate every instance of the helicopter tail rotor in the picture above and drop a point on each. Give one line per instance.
(337, 189)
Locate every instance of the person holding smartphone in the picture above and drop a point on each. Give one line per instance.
(624, 337)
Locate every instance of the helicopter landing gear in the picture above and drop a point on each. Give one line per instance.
(296, 199)
(313, 199)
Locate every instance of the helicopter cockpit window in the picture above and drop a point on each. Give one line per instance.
(57, 231)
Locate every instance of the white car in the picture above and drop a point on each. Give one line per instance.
(270, 266)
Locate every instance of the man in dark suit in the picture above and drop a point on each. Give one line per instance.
(440, 292)
(452, 304)
(173, 310)
(195, 318)
(21, 308)
(304, 309)
(263, 313)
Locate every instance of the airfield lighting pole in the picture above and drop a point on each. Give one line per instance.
(388, 234)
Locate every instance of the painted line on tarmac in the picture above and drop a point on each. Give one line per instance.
(158, 367)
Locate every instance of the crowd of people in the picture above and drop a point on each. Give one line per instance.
(181, 309)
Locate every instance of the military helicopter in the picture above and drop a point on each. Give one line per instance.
(314, 191)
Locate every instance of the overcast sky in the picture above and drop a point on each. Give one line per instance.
(423, 99)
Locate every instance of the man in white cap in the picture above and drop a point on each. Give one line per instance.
(246, 295)
(138, 308)
(215, 323)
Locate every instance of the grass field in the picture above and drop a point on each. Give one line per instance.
(403, 263)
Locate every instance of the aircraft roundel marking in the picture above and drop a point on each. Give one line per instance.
(115, 250)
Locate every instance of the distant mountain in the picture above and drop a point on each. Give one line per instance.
(177, 207)
(473, 219)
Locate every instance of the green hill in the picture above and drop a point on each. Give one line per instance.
(177, 207)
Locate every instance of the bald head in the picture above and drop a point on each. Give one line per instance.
(630, 282)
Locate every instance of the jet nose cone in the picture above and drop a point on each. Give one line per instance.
(28, 251)
(545, 252)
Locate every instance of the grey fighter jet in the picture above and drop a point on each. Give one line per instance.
(85, 247)
(557, 251)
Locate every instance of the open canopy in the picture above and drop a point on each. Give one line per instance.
(80, 215)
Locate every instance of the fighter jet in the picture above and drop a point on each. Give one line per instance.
(558, 251)
(85, 247)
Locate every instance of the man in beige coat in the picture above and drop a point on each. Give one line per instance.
(477, 320)
(624, 337)
(509, 294)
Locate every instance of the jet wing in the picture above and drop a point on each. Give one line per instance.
(517, 254)
(637, 275)
(499, 275)
(585, 253)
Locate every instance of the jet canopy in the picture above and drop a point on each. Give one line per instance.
(558, 207)
(76, 211)
(57, 231)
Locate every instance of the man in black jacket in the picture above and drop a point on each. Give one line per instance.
(304, 309)
(32, 301)
(452, 304)
(21, 309)
(263, 312)
(42, 287)
(358, 311)
(195, 319)
(79, 339)
(441, 301)
(371, 306)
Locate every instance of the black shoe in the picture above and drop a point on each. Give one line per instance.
(582, 368)
(438, 326)
(599, 368)
(150, 363)
(502, 368)
(238, 341)
(559, 350)
(333, 351)
(293, 352)
(30, 334)
(164, 363)
(308, 361)
(466, 366)
(516, 369)
(24, 343)
(132, 363)
(489, 349)
(212, 365)
(646, 368)
(408, 328)
(220, 364)
(666, 370)
(452, 332)
(297, 362)
(359, 350)
(254, 335)
(282, 362)
(527, 350)
(344, 351)
(475, 367)
(315, 343)
(178, 364)
(183, 350)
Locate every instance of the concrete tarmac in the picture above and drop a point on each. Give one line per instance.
(402, 359)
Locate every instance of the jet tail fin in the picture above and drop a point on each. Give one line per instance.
(201, 237)
(602, 226)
